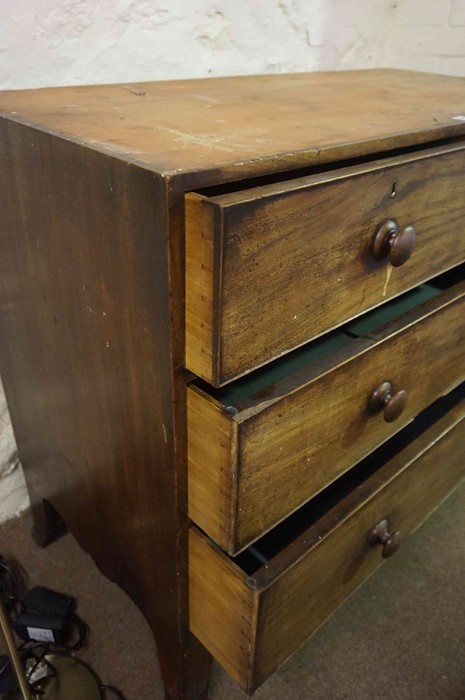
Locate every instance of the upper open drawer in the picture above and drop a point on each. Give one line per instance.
(272, 267)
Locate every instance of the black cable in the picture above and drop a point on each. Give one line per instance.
(83, 631)
(6, 666)
(29, 648)
(38, 660)
(111, 689)
(9, 571)
(12, 596)
(36, 685)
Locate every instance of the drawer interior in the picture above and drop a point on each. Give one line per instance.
(283, 535)
(264, 382)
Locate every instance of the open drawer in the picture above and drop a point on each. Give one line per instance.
(270, 268)
(252, 612)
(261, 447)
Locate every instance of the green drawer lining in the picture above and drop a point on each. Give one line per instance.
(263, 378)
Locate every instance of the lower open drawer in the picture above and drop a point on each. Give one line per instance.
(253, 611)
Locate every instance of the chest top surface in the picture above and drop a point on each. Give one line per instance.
(274, 122)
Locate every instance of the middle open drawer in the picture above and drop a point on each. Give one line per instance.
(261, 447)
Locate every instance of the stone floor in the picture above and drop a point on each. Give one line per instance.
(400, 637)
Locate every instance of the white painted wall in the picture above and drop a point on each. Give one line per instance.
(13, 495)
(65, 42)
(427, 35)
(57, 42)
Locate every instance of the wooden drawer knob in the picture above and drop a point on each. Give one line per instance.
(381, 535)
(382, 399)
(398, 244)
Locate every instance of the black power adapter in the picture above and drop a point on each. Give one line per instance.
(35, 627)
(45, 602)
(46, 616)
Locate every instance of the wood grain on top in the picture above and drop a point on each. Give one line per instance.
(249, 124)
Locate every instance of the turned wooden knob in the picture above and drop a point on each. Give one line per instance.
(398, 244)
(382, 399)
(381, 535)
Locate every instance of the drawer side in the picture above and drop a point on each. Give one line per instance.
(212, 467)
(201, 271)
(223, 609)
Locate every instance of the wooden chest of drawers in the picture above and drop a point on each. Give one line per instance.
(233, 331)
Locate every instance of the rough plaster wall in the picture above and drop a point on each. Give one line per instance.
(56, 42)
(64, 42)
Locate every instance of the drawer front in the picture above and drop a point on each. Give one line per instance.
(267, 616)
(270, 268)
(250, 470)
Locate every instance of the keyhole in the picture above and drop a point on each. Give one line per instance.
(394, 189)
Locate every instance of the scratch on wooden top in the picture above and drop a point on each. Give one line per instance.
(208, 140)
